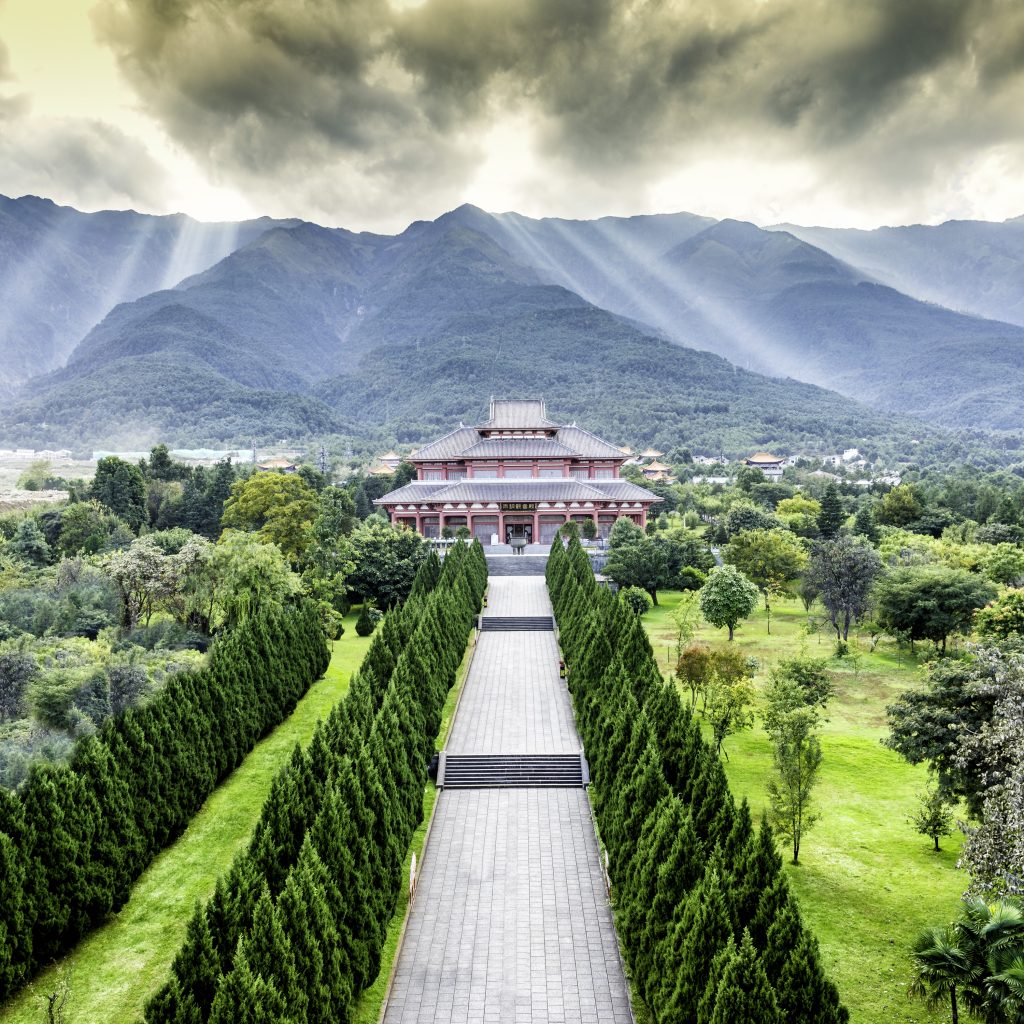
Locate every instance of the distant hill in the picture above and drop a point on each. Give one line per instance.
(968, 265)
(309, 331)
(62, 271)
(771, 302)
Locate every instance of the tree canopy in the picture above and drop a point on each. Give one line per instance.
(727, 597)
(277, 507)
(842, 571)
(930, 602)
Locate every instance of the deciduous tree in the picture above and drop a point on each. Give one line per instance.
(792, 723)
(933, 817)
(930, 602)
(385, 560)
(277, 507)
(1003, 618)
(727, 597)
(842, 572)
(771, 559)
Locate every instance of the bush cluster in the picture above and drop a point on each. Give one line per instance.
(294, 931)
(710, 930)
(75, 836)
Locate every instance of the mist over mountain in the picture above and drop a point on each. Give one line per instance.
(307, 330)
(62, 271)
(771, 302)
(968, 265)
(310, 331)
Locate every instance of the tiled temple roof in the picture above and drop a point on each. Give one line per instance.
(517, 415)
(534, 490)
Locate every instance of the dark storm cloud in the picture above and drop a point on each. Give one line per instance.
(375, 102)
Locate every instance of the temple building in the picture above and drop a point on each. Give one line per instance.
(519, 476)
(771, 465)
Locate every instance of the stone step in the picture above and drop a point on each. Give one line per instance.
(477, 771)
(517, 622)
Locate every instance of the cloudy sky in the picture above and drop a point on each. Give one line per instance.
(373, 113)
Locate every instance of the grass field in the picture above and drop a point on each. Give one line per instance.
(867, 882)
(115, 969)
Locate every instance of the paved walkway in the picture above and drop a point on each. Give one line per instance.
(511, 923)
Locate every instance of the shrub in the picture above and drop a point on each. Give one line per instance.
(638, 599)
(365, 623)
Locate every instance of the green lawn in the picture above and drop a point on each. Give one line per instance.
(116, 968)
(867, 882)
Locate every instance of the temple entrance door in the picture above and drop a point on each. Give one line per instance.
(520, 530)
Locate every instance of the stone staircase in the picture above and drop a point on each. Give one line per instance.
(532, 771)
(517, 623)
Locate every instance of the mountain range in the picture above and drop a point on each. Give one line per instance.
(62, 271)
(675, 329)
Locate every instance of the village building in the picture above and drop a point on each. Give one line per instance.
(658, 472)
(771, 465)
(277, 466)
(517, 476)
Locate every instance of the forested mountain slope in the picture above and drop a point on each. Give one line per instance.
(969, 265)
(61, 271)
(770, 302)
(309, 331)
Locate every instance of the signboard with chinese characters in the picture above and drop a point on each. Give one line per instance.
(518, 506)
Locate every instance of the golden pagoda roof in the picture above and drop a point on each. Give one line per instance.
(651, 454)
(763, 457)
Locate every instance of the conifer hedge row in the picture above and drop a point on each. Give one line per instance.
(711, 932)
(294, 930)
(76, 836)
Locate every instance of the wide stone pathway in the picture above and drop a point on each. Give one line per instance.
(510, 923)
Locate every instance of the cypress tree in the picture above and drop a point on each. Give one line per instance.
(223, 923)
(15, 928)
(793, 966)
(246, 998)
(744, 995)
(673, 878)
(683, 959)
(754, 871)
(364, 624)
(774, 898)
(724, 957)
(164, 1005)
(57, 850)
(359, 908)
(196, 967)
(427, 576)
(709, 791)
(317, 944)
(640, 794)
(832, 514)
(269, 954)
